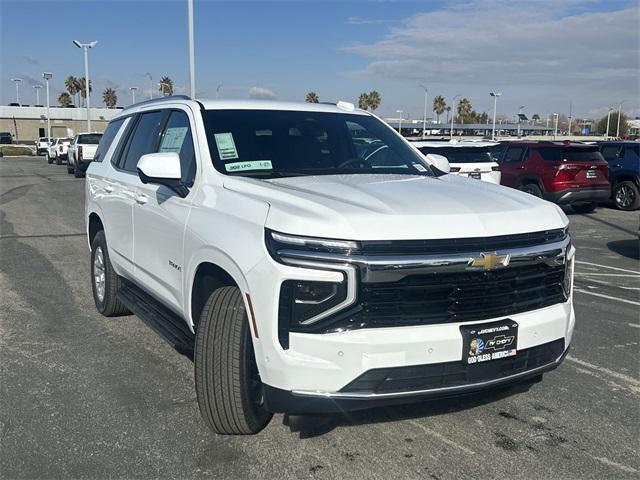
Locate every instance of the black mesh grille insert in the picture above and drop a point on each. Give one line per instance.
(452, 374)
(456, 297)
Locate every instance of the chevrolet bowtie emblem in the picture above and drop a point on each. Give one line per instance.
(489, 261)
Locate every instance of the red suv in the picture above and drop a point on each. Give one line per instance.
(565, 173)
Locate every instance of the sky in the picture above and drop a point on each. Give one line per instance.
(545, 55)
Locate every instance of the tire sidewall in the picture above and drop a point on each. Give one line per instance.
(634, 189)
(100, 241)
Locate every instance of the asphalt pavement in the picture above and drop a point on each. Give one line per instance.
(86, 396)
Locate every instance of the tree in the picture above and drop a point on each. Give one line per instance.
(536, 118)
(109, 97)
(464, 110)
(166, 86)
(83, 87)
(374, 100)
(601, 126)
(439, 106)
(64, 99)
(370, 100)
(312, 97)
(448, 109)
(73, 86)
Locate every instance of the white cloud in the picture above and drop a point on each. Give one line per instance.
(31, 60)
(534, 48)
(262, 93)
(364, 21)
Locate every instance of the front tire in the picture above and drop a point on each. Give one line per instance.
(228, 384)
(105, 283)
(49, 160)
(583, 207)
(626, 196)
(531, 189)
(58, 160)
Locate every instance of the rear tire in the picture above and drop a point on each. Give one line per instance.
(228, 384)
(105, 283)
(58, 160)
(583, 207)
(531, 189)
(78, 173)
(626, 196)
(48, 158)
(70, 168)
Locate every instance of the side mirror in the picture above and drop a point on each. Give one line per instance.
(162, 169)
(438, 161)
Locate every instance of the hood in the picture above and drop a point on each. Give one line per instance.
(397, 207)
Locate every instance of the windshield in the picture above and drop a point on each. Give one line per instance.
(92, 139)
(461, 154)
(281, 143)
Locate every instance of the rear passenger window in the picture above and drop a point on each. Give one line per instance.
(177, 138)
(551, 154)
(107, 139)
(514, 154)
(144, 139)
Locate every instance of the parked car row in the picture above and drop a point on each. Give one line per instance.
(567, 173)
(76, 152)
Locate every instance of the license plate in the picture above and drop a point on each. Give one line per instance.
(592, 174)
(475, 175)
(489, 341)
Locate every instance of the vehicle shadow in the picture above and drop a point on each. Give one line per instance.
(310, 426)
(626, 248)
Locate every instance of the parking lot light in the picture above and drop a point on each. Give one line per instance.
(37, 89)
(17, 82)
(150, 84)
(495, 96)
(87, 87)
(555, 128)
(424, 118)
(619, 113)
(47, 76)
(453, 115)
(133, 94)
(606, 134)
(400, 124)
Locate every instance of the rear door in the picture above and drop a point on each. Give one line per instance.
(512, 164)
(591, 170)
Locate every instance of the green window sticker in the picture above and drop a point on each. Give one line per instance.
(226, 146)
(173, 139)
(243, 166)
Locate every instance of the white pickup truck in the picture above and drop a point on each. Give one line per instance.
(57, 150)
(81, 151)
(306, 274)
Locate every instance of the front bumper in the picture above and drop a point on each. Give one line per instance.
(309, 402)
(579, 195)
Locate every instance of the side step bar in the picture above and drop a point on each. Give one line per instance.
(167, 324)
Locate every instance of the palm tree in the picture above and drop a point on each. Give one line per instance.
(464, 110)
(166, 86)
(72, 84)
(448, 109)
(439, 106)
(109, 97)
(83, 87)
(374, 100)
(535, 117)
(64, 99)
(312, 97)
(363, 101)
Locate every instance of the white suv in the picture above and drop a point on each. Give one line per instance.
(472, 159)
(310, 276)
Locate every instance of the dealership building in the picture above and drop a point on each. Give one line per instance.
(29, 123)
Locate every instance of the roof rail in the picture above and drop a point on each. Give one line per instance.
(158, 100)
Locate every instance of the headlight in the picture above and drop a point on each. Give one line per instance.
(276, 242)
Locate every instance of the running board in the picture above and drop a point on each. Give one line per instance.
(167, 324)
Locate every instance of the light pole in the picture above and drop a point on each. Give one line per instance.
(495, 96)
(424, 118)
(608, 120)
(47, 76)
(87, 82)
(17, 82)
(218, 90)
(133, 94)
(37, 89)
(519, 117)
(150, 85)
(192, 68)
(619, 114)
(555, 128)
(453, 115)
(400, 124)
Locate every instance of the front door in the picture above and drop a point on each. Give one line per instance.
(512, 165)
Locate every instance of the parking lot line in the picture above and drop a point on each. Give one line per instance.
(633, 383)
(618, 299)
(580, 262)
(608, 274)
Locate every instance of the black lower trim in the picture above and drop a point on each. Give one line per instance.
(283, 401)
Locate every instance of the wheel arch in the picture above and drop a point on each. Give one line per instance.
(94, 225)
(525, 180)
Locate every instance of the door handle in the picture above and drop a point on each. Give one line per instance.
(141, 199)
(109, 189)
